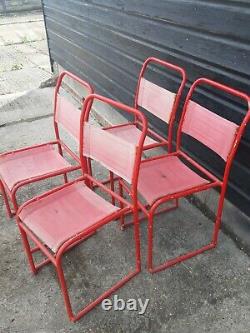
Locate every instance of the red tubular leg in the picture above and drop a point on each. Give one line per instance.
(144, 217)
(122, 221)
(112, 186)
(181, 258)
(90, 171)
(178, 259)
(6, 201)
(106, 294)
(218, 217)
(150, 241)
(28, 250)
(65, 177)
(64, 289)
(137, 242)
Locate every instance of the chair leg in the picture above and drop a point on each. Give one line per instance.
(122, 220)
(6, 201)
(65, 177)
(29, 252)
(137, 241)
(150, 241)
(14, 201)
(176, 260)
(218, 217)
(112, 186)
(92, 304)
(27, 249)
(64, 290)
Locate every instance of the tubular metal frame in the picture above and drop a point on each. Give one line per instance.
(56, 259)
(214, 181)
(161, 140)
(60, 145)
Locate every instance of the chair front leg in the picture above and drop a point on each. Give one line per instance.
(63, 285)
(171, 262)
(27, 248)
(64, 288)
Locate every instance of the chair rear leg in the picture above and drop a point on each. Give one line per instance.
(137, 241)
(65, 177)
(122, 220)
(150, 241)
(6, 201)
(218, 217)
(112, 186)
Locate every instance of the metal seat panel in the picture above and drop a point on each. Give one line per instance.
(164, 176)
(29, 163)
(63, 214)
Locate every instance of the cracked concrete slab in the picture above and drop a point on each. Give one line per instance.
(24, 61)
(29, 105)
(21, 32)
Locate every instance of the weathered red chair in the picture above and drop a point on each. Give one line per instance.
(169, 177)
(38, 162)
(58, 220)
(159, 101)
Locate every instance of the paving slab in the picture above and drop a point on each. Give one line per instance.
(28, 105)
(23, 79)
(26, 55)
(33, 16)
(22, 32)
(24, 60)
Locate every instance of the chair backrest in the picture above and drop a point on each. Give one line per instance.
(159, 101)
(217, 133)
(114, 153)
(66, 113)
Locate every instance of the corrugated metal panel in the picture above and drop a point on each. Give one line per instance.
(107, 41)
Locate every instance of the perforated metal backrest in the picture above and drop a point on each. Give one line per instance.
(68, 116)
(213, 131)
(112, 152)
(155, 99)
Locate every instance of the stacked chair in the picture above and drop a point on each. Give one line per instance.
(175, 175)
(158, 101)
(60, 219)
(32, 164)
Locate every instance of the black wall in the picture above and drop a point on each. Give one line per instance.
(106, 41)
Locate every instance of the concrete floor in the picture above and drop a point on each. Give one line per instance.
(209, 293)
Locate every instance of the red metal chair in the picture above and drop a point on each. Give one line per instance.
(38, 162)
(161, 102)
(60, 219)
(168, 177)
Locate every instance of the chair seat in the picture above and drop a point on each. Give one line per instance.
(164, 176)
(63, 214)
(34, 162)
(131, 134)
